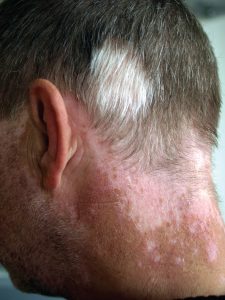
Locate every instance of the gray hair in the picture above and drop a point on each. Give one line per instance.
(144, 70)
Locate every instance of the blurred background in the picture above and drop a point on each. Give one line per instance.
(211, 14)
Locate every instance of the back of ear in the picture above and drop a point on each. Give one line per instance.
(50, 116)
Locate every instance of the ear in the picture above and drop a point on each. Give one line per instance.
(49, 113)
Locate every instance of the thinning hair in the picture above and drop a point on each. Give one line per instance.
(144, 70)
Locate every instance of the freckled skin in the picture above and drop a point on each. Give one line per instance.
(173, 261)
(29, 236)
(119, 235)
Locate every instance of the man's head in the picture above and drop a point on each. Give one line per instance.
(104, 104)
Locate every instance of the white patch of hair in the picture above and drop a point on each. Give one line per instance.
(120, 80)
(118, 94)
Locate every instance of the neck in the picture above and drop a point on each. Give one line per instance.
(180, 229)
(158, 234)
(183, 234)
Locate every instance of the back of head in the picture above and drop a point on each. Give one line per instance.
(144, 70)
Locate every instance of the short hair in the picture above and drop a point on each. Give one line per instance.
(144, 70)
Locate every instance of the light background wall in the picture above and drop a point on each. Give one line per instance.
(215, 28)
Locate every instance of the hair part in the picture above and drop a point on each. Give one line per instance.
(144, 70)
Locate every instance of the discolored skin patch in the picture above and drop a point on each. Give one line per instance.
(166, 239)
(119, 233)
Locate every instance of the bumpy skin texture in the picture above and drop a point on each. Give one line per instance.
(23, 218)
(108, 233)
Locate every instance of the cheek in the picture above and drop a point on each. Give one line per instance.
(30, 245)
(12, 198)
(15, 196)
(26, 249)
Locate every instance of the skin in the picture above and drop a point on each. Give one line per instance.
(77, 222)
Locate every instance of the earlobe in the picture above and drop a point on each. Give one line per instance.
(51, 119)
